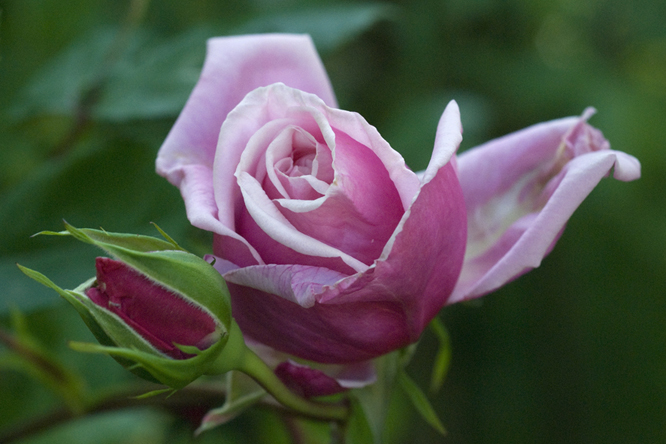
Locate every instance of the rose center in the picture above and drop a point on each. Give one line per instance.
(298, 166)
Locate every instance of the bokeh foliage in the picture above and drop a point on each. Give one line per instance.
(572, 352)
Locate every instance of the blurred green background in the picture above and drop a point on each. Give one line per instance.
(573, 352)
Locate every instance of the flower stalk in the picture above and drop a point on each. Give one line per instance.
(237, 356)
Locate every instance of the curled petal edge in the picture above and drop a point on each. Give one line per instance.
(535, 234)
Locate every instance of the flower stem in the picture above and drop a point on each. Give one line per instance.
(237, 356)
(257, 369)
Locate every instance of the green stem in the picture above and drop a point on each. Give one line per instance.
(237, 356)
(257, 369)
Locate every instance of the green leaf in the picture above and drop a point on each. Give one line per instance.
(329, 26)
(29, 356)
(157, 392)
(155, 78)
(443, 358)
(420, 401)
(112, 185)
(61, 85)
(152, 77)
(242, 393)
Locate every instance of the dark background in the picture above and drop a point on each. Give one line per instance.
(573, 352)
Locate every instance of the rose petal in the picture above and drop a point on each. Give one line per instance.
(275, 225)
(347, 376)
(161, 317)
(515, 217)
(295, 283)
(306, 381)
(334, 334)
(383, 308)
(234, 66)
(254, 125)
(360, 210)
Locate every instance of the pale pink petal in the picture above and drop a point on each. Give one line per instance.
(355, 126)
(275, 225)
(359, 212)
(256, 127)
(234, 66)
(521, 189)
(447, 140)
(295, 283)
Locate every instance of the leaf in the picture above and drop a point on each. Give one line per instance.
(152, 77)
(242, 393)
(60, 86)
(443, 358)
(420, 401)
(112, 185)
(29, 356)
(157, 392)
(329, 26)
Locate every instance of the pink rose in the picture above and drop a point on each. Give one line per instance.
(333, 250)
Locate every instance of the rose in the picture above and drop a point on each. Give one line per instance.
(333, 250)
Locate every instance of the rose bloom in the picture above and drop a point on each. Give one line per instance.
(333, 249)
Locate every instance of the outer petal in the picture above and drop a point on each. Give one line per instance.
(370, 313)
(234, 66)
(313, 379)
(521, 189)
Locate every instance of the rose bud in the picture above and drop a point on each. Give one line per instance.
(155, 307)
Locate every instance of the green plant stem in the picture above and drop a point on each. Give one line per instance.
(237, 356)
(257, 369)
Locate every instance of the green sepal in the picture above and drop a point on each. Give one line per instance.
(136, 354)
(419, 400)
(374, 399)
(176, 373)
(242, 393)
(166, 264)
(443, 357)
(158, 392)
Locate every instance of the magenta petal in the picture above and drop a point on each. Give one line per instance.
(533, 180)
(382, 308)
(333, 334)
(306, 381)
